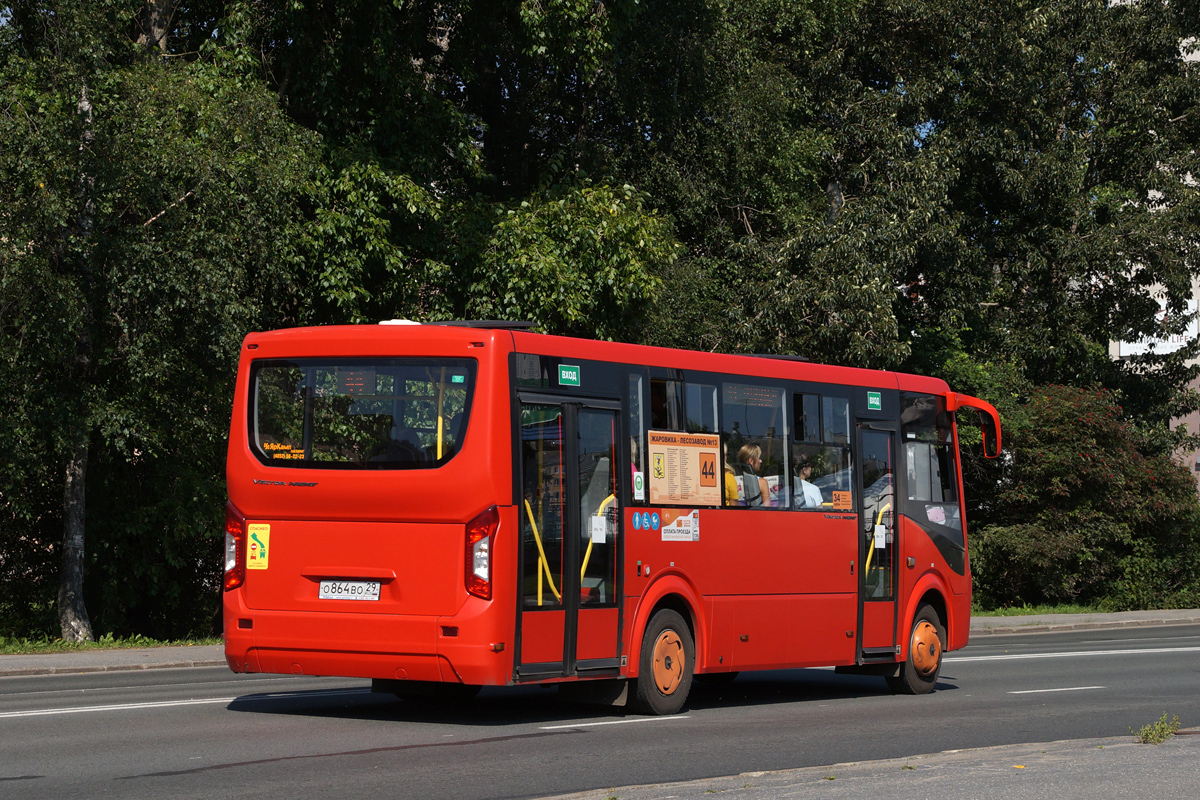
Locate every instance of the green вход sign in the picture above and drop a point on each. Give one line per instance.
(568, 375)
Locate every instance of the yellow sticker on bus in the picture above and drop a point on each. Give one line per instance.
(258, 546)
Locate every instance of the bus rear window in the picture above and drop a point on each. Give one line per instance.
(359, 413)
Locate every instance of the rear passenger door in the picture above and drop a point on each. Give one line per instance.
(570, 542)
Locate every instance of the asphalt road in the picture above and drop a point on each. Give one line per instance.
(204, 732)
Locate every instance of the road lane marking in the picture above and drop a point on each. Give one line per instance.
(48, 712)
(1063, 689)
(141, 687)
(610, 722)
(1074, 654)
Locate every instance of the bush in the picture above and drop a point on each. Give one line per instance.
(1083, 509)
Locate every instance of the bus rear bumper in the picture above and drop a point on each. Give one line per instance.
(362, 646)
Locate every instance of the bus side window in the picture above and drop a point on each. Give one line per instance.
(755, 450)
(809, 462)
(666, 412)
(931, 474)
(700, 403)
(637, 438)
(837, 483)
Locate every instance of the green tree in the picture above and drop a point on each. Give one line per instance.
(151, 207)
(1085, 510)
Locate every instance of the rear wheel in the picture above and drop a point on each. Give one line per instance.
(926, 645)
(667, 662)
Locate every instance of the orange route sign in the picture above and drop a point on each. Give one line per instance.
(684, 470)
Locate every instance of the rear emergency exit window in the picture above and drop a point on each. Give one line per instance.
(359, 413)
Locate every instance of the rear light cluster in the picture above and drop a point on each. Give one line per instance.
(481, 535)
(235, 548)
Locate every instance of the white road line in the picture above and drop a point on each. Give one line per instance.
(1063, 689)
(1074, 654)
(612, 722)
(49, 712)
(142, 687)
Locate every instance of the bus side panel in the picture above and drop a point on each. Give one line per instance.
(718, 651)
(785, 581)
(927, 561)
(752, 552)
(823, 630)
(959, 625)
(776, 631)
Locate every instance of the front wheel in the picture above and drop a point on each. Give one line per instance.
(667, 662)
(926, 645)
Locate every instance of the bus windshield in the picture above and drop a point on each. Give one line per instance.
(359, 413)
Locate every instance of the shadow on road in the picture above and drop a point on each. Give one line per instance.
(504, 706)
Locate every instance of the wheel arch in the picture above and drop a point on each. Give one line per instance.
(932, 591)
(675, 593)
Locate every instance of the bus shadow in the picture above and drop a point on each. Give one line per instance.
(790, 686)
(494, 706)
(505, 706)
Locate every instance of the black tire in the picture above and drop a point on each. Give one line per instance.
(667, 662)
(926, 647)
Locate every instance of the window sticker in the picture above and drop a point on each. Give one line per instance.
(258, 546)
(639, 486)
(681, 525)
(599, 529)
(277, 450)
(841, 501)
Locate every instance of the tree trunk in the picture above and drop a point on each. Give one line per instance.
(72, 614)
(833, 190)
(156, 23)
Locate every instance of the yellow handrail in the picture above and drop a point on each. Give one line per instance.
(878, 519)
(543, 563)
(588, 554)
(441, 397)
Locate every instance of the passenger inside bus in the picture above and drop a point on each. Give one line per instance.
(807, 494)
(754, 489)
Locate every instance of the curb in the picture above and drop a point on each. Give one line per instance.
(81, 669)
(1080, 626)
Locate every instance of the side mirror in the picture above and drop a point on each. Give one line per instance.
(989, 420)
(991, 435)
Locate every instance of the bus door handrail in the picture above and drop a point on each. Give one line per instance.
(871, 552)
(543, 562)
(441, 401)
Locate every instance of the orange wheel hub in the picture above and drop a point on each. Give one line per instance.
(668, 662)
(925, 648)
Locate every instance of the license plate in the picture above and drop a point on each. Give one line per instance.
(348, 590)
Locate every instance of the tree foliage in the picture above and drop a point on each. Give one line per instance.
(1086, 511)
(990, 194)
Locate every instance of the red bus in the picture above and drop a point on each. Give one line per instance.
(440, 507)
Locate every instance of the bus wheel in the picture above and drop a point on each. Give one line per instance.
(668, 659)
(926, 644)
